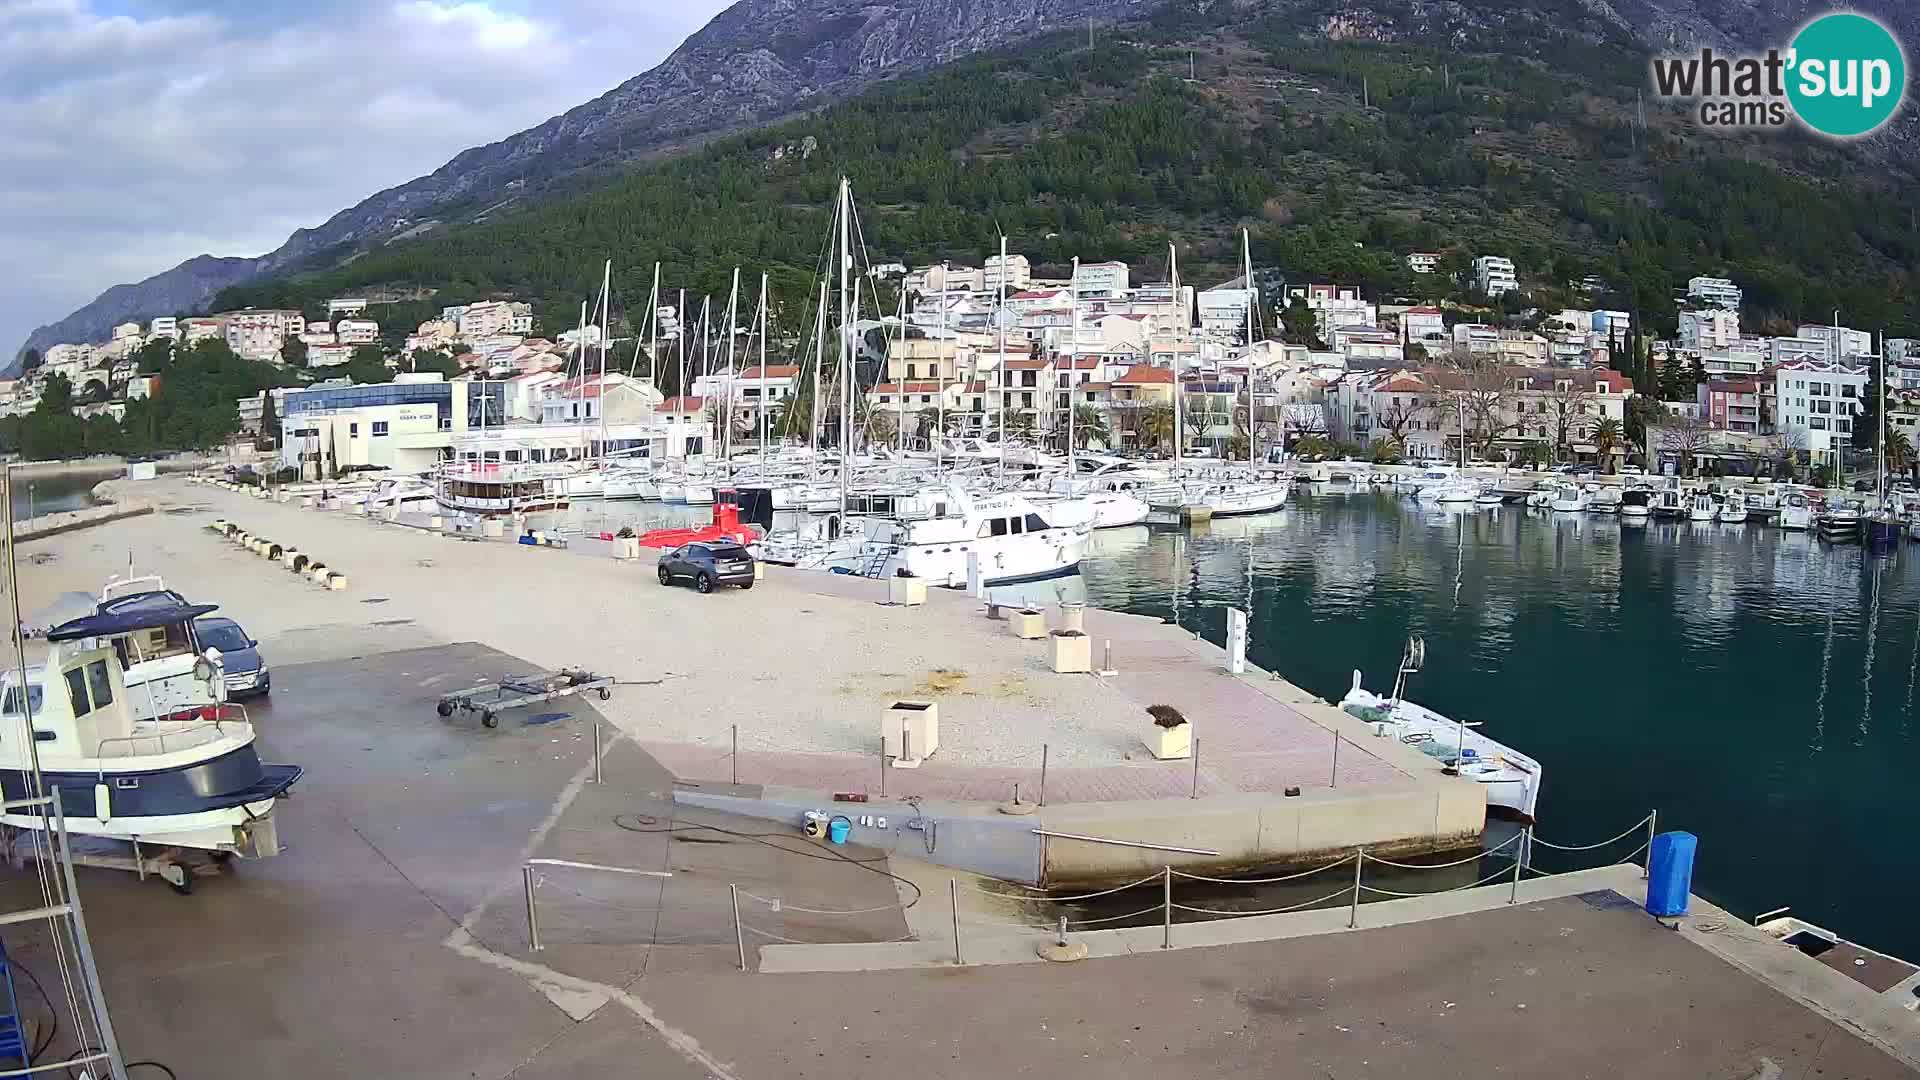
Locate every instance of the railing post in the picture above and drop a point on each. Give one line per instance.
(953, 898)
(1519, 862)
(1166, 907)
(1043, 774)
(739, 936)
(533, 919)
(1653, 823)
(596, 750)
(735, 756)
(1195, 793)
(1335, 782)
(1359, 864)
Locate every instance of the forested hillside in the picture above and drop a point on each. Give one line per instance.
(1339, 155)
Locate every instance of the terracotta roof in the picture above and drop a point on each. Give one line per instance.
(1095, 385)
(773, 371)
(682, 405)
(1145, 375)
(1035, 294)
(1404, 384)
(1084, 363)
(1027, 364)
(910, 388)
(1423, 311)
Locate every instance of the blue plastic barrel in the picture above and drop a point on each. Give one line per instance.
(837, 830)
(1670, 873)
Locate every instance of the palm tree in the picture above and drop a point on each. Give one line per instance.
(880, 428)
(1019, 425)
(1312, 446)
(1156, 426)
(1090, 424)
(1900, 456)
(1606, 436)
(925, 423)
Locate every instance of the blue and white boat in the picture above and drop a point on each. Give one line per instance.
(194, 782)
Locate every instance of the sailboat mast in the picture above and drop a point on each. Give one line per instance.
(762, 403)
(1000, 369)
(900, 402)
(846, 341)
(819, 358)
(1253, 299)
(1073, 364)
(1173, 269)
(580, 375)
(606, 343)
(1880, 483)
(940, 407)
(680, 313)
(653, 330)
(733, 336)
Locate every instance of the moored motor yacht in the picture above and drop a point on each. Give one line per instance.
(1840, 521)
(1734, 510)
(1604, 499)
(1005, 535)
(1669, 503)
(1636, 505)
(1700, 507)
(187, 783)
(1569, 499)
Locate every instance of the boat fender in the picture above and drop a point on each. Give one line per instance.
(102, 803)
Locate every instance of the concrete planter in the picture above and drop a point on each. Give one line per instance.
(910, 732)
(1030, 625)
(906, 591)
(493, 528)
(436, 522)
(1073, 617)
(1170, 744)
(1072, 653)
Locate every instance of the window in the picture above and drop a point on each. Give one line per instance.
(1026, 401)
(1035, 524)
(926, 399)
(1816, 424)
(379, 429)
(513, 455)
(100, 683)
(909, 371)
(993, 527)
(1846, 391)
(1016, 525)
(1843, 425)
(77, 691)
(35, 695)
(353, 431)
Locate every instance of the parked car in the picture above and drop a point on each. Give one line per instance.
(708, 564)
(246, 671)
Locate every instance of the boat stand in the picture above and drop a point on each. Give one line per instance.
(177, 866)
(515, 691)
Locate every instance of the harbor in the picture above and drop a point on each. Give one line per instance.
(407, 842)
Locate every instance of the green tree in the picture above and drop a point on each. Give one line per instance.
(269, 424)
(56, 396)
(1156, 427)
(433, 360)
(1900, 457)
(1090, 426)
(1300, 326)
(293, 353)
(1866, 422)
(1606, 437)
(368, 365)
(153, 357)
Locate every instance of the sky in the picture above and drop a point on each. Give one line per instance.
(135, 134)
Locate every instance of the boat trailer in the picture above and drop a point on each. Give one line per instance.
(514, 691)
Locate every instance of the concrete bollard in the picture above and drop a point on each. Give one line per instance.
(336, 581)
(275, 551)
(318, 571)
(287, 557)
(359, 509)
(308, 502)
(435, 522)
(298, 563)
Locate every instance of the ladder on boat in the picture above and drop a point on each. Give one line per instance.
(13, 1033)
(875, 563)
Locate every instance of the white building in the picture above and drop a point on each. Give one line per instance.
(67, 358)
(1223, 308)
(1494, 275)
(1782, 350)
(329, 355)
(1018, 274)
(1719, 292)
(1367, 343)
(406, 425)
(1842, 342)
(1423, 262)
(1101, 280)
(165, 326)
(612, 398)
(1334, 307)
(258, 335)
(204, 328)
(346, 305)
(1709, 328)
(126, 330)
(1425, 326)
(1820, 400)
(357, 331)
(748, 393)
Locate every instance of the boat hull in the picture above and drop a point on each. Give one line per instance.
(213, 804)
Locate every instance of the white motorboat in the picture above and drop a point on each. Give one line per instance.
(1006, 534)
(166, 669)
(1636, 505)
(1568, 499)
(1840, 521)
(1669, 503)
(1456, 491)
(1511, 779)
(1734, 510)
(1431, 476)
(1094, 510)
(189, 783)
(1489, 496)
(1231, 499)
(1796, 512)
(1700, 507)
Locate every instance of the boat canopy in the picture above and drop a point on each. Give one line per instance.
(126, 622)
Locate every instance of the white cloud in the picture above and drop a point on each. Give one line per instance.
(136, 140)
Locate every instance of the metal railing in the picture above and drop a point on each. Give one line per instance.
(1519, 848)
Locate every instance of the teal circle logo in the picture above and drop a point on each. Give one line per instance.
(1847, 75)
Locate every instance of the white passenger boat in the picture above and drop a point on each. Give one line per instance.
(498, 490)
(1008, 535)
(1796, 512)
(1734, 510)
(1511, 779)
(191, 783)
(1700, 507)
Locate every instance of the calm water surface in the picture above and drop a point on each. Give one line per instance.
(1755, 686)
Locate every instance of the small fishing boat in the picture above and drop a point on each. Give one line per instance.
(1734, 510)
(1669, 504)
(1511, 779)
(1605, 499)
(1455, 492)
(1636, 505)
(1489, 496)
(170, 783)
(169, 673)
(1839, 523)
(1568, 499)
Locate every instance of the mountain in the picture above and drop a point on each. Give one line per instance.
(761, 60)
(755, 61)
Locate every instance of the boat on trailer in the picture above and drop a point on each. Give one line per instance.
(170, 785)
(1511, 779)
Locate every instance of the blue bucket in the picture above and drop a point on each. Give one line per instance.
(837, 830)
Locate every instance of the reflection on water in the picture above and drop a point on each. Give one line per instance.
(1700, 668)
(1728, 675)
